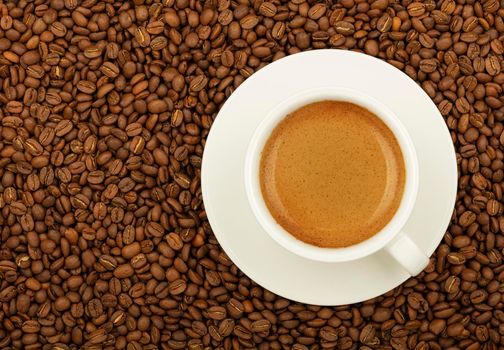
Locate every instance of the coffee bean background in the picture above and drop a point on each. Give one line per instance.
(104, 109)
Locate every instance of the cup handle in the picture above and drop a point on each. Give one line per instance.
(407, 253)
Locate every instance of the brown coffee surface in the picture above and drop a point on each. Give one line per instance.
(332, 174)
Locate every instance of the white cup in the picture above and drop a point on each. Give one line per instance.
(391, 238)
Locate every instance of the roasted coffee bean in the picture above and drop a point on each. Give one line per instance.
(226, 327)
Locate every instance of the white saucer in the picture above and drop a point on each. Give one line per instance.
(231, 217)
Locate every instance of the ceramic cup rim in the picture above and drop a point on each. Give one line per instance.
(277, 232)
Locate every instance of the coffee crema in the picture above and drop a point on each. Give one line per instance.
(332, 174)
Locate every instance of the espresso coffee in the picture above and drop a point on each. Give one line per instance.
(332, 174)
